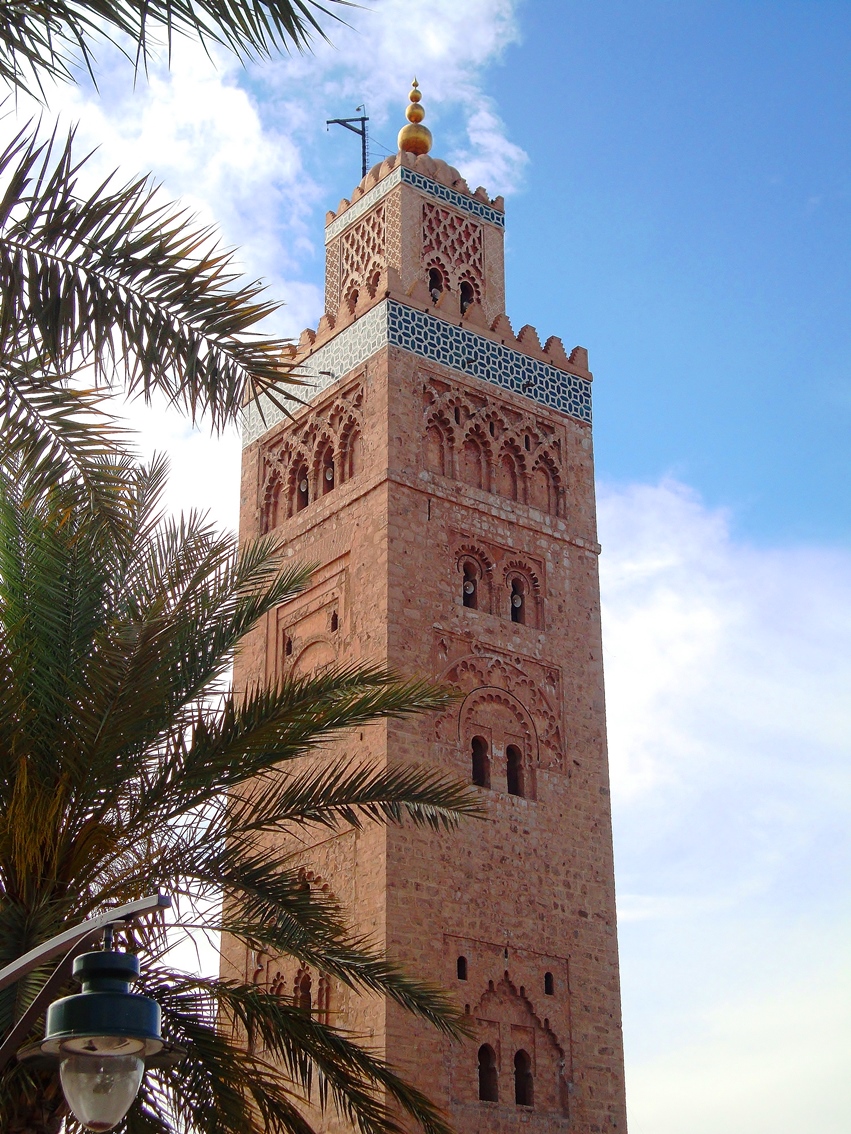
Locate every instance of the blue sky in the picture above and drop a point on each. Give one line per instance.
(678, 201)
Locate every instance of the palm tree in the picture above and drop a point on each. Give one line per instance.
(40, 40)
(114, 290)
(127, 761)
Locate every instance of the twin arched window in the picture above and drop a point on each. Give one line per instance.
(514, 766)
(519, 597)
(489, 1077)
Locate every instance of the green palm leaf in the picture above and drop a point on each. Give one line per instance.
(126, 761)
(120, 287)
(40, 40)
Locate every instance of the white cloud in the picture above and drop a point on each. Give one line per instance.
(728, 671)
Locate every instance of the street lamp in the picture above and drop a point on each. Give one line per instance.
(102, 1037)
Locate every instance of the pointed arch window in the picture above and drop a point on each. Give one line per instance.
(488, 1077)
(303, 990)
(481, 762)
(518, 601)
(514, 770)
(523, 1081)
(470, 586)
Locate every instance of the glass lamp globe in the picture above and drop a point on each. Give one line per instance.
(100, 1088)
(102, 1036)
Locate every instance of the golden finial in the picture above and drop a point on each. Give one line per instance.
(415, 138)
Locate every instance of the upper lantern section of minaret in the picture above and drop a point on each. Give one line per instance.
(415, 259)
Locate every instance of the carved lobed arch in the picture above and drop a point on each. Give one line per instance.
(508, 1025)
(311, 458)
(476, 441)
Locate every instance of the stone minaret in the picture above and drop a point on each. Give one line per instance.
(441, 477)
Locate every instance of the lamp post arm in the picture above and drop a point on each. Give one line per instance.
(79, 934)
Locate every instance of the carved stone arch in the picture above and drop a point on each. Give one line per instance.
(298, 497)
(475, 565)
(545, 488)
(270, 508)
(350, 448)
(476, 458)
(435, 266)
(502, 720)
(506, 1020)
(523, 599)
(325, 457)
(510, 475)
(438, 444)
(314, 656)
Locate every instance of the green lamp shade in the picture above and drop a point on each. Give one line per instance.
(105, 1017)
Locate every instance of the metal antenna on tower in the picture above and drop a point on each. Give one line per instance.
(360, 130)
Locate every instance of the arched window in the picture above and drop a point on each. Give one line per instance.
(301, 489)
(335, 622)
(481, 762)
(523, 1079)
(514, 770)
(549, 984)
(488, 1079)
(470, 586)
(350, 454)
(468, 295)
(473, 463)
(462, 968)
(436, 450)
(436, 283)
(518, 601)
(326, 474)
(302, 993)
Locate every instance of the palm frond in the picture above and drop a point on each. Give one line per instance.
(126, 285)
(38, 41)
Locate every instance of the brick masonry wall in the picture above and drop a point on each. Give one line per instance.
(530, 889)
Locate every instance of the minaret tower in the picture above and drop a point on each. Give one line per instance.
(441, 476)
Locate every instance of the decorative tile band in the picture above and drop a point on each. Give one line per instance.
(453, 197)
(424, 185)
(336, 226)
(463, 350)
(394, 324)
(342, 354)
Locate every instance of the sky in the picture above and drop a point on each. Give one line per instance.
(678, 196)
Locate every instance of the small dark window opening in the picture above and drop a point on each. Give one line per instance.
(328, 472)
(468, 296)
(435, 283)
(522, 1079)
(462, 968)
(288, 646)
(488, 1081)
(302, 491)
(549, 984)
(491, 428)
(457, 416)
(514, 770)
(303, 997)
(470, 587)
(518, 602)
(527, 444)
(335, 622)
(481, 762)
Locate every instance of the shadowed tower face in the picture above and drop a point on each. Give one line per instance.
(442, 479)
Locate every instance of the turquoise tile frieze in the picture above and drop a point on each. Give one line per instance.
(425, 185)
(364, 204)
(453, 197)
(341, 355)
(440, 341)
(437, 340)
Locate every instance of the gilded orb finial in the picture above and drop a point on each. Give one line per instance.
(415, 138)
